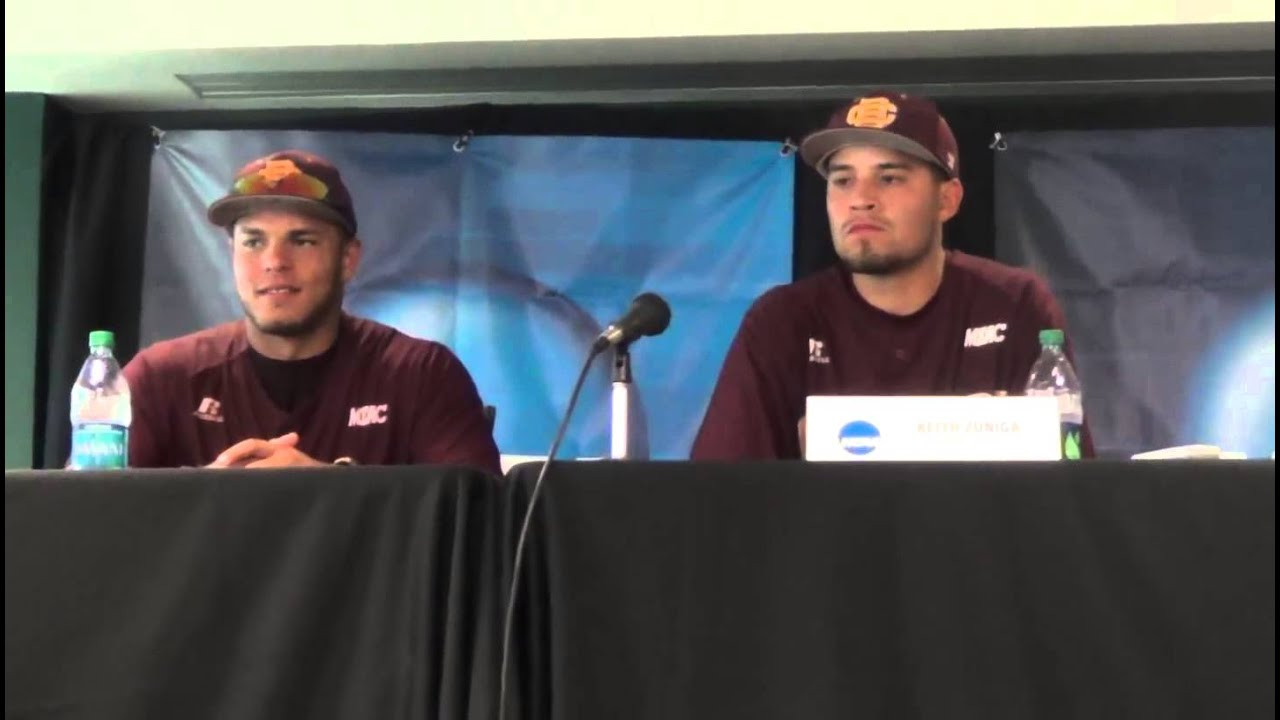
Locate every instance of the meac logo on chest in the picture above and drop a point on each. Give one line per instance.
(368, 415)
(985, 335)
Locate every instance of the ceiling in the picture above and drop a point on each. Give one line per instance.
(115, 77)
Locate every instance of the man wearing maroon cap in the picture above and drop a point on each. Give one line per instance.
(900, 315)
(298, 381)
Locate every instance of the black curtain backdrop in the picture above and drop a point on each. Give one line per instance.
(97, 172)
(93, 227)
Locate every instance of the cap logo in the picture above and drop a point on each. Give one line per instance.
(276, 170)
(873, 112)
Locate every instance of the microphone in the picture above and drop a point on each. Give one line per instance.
(648, 315)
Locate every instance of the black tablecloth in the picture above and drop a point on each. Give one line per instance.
(337, 592)
(1065, 590)
(652, 590)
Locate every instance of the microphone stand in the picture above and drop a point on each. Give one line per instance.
(620, 445)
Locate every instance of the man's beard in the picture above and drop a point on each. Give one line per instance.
(865, 262)
(310, 323)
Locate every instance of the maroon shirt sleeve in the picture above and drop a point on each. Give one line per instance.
(449, 426)
(752, 414)
(147, 432)
(1039, 310)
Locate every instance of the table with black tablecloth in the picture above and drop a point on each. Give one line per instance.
(321, 593)
(1063, 590)
(652, 590)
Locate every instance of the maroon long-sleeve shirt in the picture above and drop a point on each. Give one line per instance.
(818, 336)
(379, 397)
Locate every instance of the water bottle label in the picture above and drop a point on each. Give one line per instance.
(1070, 407)
(99, 447)
(1072, 442)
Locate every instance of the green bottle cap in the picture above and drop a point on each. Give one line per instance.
(1054, 338)
(102, 338)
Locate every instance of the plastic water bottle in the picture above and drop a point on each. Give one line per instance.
(1053, 375)
(101, 411)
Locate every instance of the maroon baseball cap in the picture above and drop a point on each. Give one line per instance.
(892, 120)
(299, 180)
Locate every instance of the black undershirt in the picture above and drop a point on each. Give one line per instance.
(289, 383)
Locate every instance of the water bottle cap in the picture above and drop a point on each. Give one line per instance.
(102, 338)
(1052, 338)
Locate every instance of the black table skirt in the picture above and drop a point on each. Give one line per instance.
(795, 590)
(330, 593)
(652, 590)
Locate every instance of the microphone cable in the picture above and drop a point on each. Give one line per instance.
(508, 621)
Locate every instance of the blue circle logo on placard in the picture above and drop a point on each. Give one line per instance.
(859, 437)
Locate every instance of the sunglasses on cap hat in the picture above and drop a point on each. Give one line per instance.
(305, 182)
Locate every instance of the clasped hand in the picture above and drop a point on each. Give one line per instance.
(257, 453)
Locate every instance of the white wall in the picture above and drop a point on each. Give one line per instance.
(129, 54)
(92, 26)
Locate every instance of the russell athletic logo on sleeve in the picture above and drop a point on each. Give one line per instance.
(210, 410)
(818, 352)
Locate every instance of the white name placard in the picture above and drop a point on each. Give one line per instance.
(868, 428)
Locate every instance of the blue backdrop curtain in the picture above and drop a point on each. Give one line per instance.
(515, 252)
